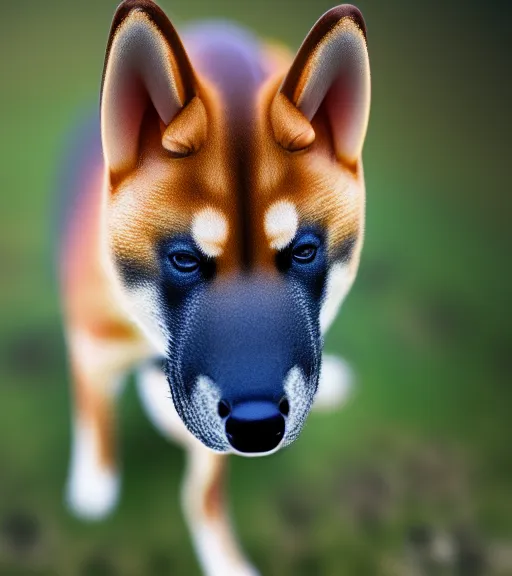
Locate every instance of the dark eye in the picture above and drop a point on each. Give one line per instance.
(184, 261)
(304, 253)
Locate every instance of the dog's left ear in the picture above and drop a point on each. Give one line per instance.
(331, 71)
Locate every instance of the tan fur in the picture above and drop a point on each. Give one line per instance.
(291, 128)
(325, 191)
(188, 131)
(208, 518)
(182, 164)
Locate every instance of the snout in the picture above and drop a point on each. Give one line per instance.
(255, 426)
(244, 376)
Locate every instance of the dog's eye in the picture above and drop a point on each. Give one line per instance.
(304, 253)
(184, 261)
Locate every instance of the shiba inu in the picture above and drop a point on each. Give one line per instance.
(210, 246)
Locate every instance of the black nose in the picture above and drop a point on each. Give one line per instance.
(255, 426)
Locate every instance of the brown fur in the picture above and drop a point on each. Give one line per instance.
(162, 192)
(214, 496)
(238, 155)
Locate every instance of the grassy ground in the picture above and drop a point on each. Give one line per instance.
(419, 460)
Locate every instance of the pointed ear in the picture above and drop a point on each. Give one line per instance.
(145, 65)
(331, 71)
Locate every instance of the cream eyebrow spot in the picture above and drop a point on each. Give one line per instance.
(281, 223)
(210, 231)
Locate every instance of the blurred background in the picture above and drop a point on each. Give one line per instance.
(413, 476)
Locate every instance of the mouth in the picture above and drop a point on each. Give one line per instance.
(253, 427)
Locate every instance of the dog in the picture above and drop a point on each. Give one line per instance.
(209, 247)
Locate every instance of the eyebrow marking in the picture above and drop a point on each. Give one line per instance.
(210, 231)
(281, 223)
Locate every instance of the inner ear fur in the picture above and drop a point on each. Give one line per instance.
(145, 65)
(331, 71)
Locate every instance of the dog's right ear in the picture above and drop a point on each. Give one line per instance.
(146, 65)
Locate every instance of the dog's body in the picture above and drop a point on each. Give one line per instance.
(220, 233)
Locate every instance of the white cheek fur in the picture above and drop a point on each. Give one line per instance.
(300, 396)
(339, 281)
(144, 307)
(204, 401)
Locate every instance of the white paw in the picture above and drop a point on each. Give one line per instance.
(92, 490)
(94, 495)
(336, 382)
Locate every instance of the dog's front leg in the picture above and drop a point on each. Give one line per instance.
(98, 367)
(207, 516)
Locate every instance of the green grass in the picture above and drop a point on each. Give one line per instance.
(425, 438)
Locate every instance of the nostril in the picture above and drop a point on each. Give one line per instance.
(224, 409)
(284, 407)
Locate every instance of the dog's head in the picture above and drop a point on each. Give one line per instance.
(234, 213)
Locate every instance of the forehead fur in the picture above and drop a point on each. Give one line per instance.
(200, 194)
(323, 190)
(162, 195)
